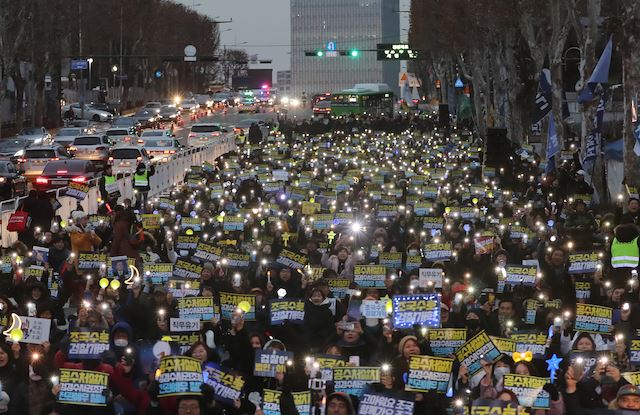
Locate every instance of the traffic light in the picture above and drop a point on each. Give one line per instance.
(354, 53)
(158, 73)
(318, 53)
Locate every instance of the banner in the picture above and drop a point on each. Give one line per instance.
(483, 244)
(634, 352)
(227, 386)
(391, 260)
(438, 252)
(413, 262)
(352, 380)
(422, 309)
(535, 343)
(370, 276)
(528, 389)
(489, 406)
(88, 344)
(383, 403)
(445, 342)
(290, 310)
(291, 259)
(182, 341)
(478, 347)
(158, 273)
(506, 346)
(201, 308)
(430, 222)
(339, 286)
(150, 221)
(181, 287)
(374, 308)
(521, 274)
(181, 325)
(83, 387)
(231, 302)
(179, 375)
(268, 363)
(194, 223)
(584, 262)
(233, 223)
(187, 242)
(237, 260)
(593, 318)
(428, 373)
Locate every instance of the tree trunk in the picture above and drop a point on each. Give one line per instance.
(631, 81)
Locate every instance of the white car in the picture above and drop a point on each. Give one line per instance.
(189, 105)
(160, 147)
(120, 135)
(65, 136)
(90, 113)
(125, 158)
(202, 134)
(35, 158)
(91, 147)
(37, 136)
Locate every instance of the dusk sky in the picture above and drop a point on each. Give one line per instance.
(264, 25)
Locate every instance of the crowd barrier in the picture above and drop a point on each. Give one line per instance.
(169, 172)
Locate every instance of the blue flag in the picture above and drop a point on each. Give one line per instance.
(600, 74)
(553, 147)
(543, 96)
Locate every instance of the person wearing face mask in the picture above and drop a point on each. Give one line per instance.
(473, 322)
(556, 400)
(492, 382)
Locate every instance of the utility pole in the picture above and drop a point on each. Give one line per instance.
(121, 43)
(80, 56)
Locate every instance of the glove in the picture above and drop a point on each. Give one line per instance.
(552, 390)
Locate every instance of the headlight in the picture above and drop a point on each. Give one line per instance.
(285, 100)
(151, 119)
(3, 179)
(173, 116)
(295, 102)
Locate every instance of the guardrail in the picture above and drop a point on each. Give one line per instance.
(168, 173)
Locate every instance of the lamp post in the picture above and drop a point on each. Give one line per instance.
(90, 61)
(114, 69)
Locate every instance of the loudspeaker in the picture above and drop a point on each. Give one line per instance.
(443, 112)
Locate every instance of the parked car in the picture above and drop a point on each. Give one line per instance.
(65, 136)
(13, 147)
(204, 133)
(90, 113)
(12, 183)
(59, 173)
(112, 108)
(125, 158)
(32, 162)
(91, 147)
(120, 135)
(36, 135)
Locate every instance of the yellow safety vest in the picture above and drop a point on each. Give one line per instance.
(625, 254)
(110, 184)
(141, 180)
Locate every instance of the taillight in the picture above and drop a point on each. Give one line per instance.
(138, 158)
(54, 159)
(61, 172)
(79, 179)
(42, 180)
(21, 160)
(110, 158)
(72, 148)
(172, 151)
(215, 134)
(192, 135)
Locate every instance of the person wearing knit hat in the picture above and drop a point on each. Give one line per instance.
(413, 344)
(628, 398)
(339, 403)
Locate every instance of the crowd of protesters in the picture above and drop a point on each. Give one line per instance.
(404, 189)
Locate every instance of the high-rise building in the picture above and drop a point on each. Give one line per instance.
(342, 25)
(283, 82)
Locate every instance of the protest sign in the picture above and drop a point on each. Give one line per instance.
(489, 406)
(77, 190)
(180, 325)
(535, 343)
(233, 223)
(413, 262)
(445, 342)
(374, 308)
(291, 259)
(632, 377)
(421, 309)
(88, 344)
(385, 402)
(593, 318)
(83, 387)
(166, 203)
(158, 273)
(206, 252)
(233, 302)
(352, 380)
(391, 260)
(287, 310)
(521, 274)
(634, 352)
(89, 261)
(236, 260)
(430, 277)
(429, 373)
(150, 221)
(202, 308)
(181, 287)
(187, 270)
(586, 362)
(227, 386)
(181, 341)
(40, 254)
(438, 252)
(179, 376)
(338, 286)
(583, 288)
(369, 276)
(529, 390)
(584, 262)
(321, 221)
(484, 244)
(35, 330)
(431, 222)
(478, 347)
(271, 402)
(268, 363)
(506, 346)
(194, 223)
(187, 242)
(530, 310)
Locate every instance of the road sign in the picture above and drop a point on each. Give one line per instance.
(408, 78)
(331, 46)
(190, 59)
(79, 64)
(396, 51)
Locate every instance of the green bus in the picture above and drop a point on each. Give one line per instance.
(374, 99)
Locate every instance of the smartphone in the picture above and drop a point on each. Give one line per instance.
(578, 367)
(346, 326)
(354, 360)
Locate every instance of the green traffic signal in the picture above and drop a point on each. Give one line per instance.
(319, 53)
(354, 53)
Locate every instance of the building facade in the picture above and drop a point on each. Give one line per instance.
(283, 82)
(345, 25)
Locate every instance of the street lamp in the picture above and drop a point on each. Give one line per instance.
(90, 61)
(114, 69)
